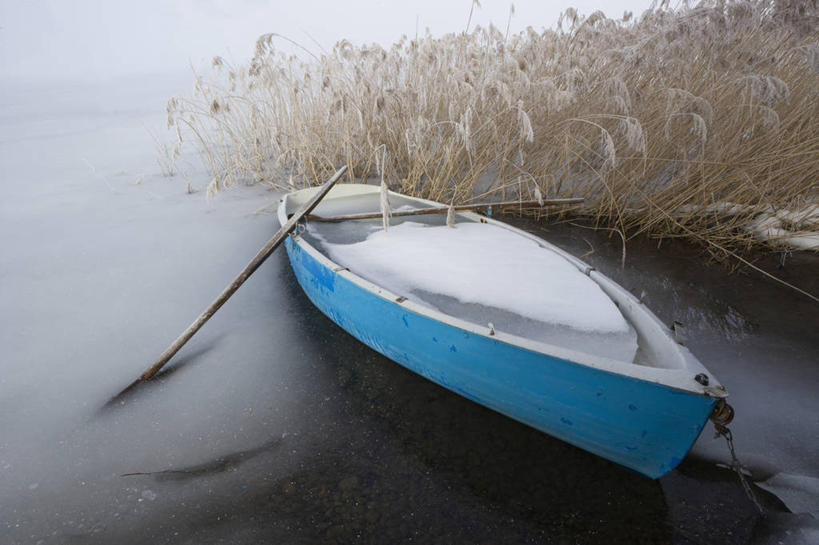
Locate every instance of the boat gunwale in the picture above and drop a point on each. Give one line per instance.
(676, 378)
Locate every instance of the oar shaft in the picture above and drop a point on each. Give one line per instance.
(254, 264)
(442, 209)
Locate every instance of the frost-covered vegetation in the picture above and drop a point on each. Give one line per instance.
(701, 122)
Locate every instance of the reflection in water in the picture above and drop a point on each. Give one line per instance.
(228, 462)
(180, 361)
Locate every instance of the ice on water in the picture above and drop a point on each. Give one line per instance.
(480, 273)
(800, 493)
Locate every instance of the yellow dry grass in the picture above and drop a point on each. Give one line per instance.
(690, 122)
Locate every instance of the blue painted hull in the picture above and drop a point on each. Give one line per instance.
(642, 425)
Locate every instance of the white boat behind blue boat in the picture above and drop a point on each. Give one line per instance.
(508, 320)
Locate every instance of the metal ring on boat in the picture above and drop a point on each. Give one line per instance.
(722, 415)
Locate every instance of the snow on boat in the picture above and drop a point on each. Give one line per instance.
(508, 320)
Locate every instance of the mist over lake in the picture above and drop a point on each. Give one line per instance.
(274, 424)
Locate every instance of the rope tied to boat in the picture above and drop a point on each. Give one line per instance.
(721, 416)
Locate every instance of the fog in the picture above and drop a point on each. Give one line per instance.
(96, 39)
(273, 425)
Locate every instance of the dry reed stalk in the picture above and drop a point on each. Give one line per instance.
(658, 121)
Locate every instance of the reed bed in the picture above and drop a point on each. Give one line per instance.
(700, 122)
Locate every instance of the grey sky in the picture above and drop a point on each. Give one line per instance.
(79, 38)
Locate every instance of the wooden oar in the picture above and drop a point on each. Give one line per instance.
(444, 209)
(254, 264)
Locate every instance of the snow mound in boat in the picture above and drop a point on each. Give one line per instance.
(484, 268)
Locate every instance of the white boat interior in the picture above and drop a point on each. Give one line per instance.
(602, 320)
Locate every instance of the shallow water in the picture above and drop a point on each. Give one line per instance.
(275, 425)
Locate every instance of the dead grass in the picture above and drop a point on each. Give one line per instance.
(680, 123)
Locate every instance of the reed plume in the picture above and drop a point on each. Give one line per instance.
(700, 122)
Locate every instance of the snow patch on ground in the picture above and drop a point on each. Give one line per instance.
(795, 228)
(798, 229)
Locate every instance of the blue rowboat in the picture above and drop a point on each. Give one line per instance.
(644, 413)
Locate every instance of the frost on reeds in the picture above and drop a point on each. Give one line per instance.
(656, 120)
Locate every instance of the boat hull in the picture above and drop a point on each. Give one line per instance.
(642, 425)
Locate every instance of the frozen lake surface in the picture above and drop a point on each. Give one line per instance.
(273, 425)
